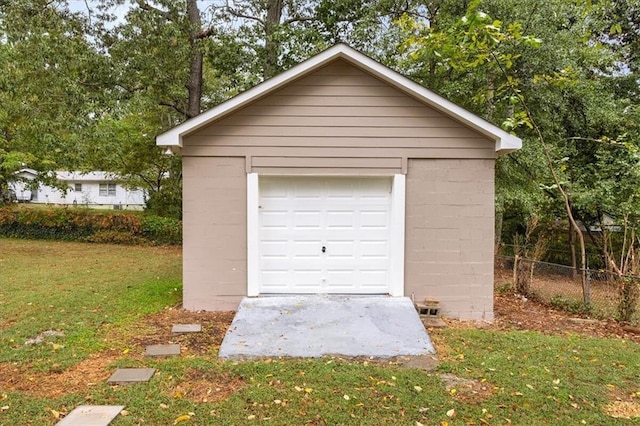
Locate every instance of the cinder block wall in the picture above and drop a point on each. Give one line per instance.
(215, 237)
(449, 235)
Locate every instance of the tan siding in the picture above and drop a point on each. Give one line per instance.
(449, 235)
(338, 111)
(336, 152)
(338, 162)
(215, 217)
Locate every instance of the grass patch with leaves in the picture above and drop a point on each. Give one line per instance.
(81, 290)
(111, 301)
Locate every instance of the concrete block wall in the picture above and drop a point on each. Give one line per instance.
(215, 236)
(449, 235)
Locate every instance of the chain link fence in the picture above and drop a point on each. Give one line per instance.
(596, 293)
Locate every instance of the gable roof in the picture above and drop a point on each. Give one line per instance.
(504, 141)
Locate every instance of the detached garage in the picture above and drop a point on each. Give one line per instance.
(339, 176)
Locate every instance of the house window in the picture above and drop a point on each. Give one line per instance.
(77, 187)
(107, 189)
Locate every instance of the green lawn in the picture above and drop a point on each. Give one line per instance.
(98, 294)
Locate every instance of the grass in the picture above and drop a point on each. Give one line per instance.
(95, 294)
(80, 289)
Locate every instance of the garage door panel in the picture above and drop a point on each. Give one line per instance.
(275, 219)
(299, 216)
(341, 219)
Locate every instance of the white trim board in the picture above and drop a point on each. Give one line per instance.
(397, 237)
(504, 141)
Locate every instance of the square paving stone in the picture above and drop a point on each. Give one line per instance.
(186, 328)
(125, 376)
(91, 415)
(163, 350)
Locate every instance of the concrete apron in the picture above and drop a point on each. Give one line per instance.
(318, 325)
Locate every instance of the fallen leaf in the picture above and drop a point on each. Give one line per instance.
(4, 408)
(417, 388)
(124, 413)
(182, 418)
(163, 405)
(308, 390)
(251, 417)
(419, 424)
(55, 413)
(556, 381)
(346, 397)
(451, 413)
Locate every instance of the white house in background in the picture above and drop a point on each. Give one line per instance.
(91, 189)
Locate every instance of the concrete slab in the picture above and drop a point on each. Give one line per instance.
(318, 325)
(91, 415)
(186, 328)
(162, 350)
(125, 376)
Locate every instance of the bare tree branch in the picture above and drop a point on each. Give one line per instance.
(174, 106)
(146, 6)
(297, 19)
(242, 15)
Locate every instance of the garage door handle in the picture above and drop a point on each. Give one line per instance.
(324, 249)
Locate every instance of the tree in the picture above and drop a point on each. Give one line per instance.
(47, 69)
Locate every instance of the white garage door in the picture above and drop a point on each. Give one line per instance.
(324, 235)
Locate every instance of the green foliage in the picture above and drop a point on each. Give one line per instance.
(75, 224)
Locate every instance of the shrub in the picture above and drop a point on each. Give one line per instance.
(163, 230)
(88, 225)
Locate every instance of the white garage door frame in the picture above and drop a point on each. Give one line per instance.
(396, 266)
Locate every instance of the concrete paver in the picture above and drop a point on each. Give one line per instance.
(186, 328)
(318, 325)
(91, 415)
(125, 376)
(163, 350)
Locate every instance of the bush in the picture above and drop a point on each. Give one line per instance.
(73, 224)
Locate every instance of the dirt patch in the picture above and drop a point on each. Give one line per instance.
(467, 390)
(156, 329)
(76, 379)
(622, 405)
(516, 312)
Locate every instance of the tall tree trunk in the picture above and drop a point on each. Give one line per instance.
(274, 15)
(194, 85)
(572, 247)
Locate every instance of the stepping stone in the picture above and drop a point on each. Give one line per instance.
(125, 376)
(186, 328)
(91, 415)
(163, 350)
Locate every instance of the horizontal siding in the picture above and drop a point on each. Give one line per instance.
(337, 152)
(344, 142)
(338, 111)
(334, 111)
(396, 122)
(337, 132)
(326, 162)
